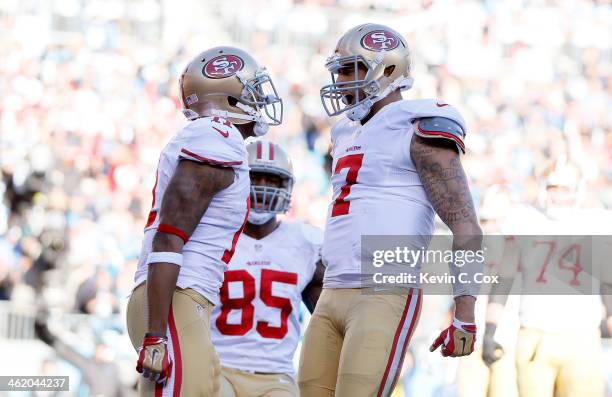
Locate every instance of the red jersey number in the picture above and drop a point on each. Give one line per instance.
(245, 303)
(353, 163)
(568, 260)
(268, 277)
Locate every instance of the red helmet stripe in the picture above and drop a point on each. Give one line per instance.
(259, 149)
(271, 151)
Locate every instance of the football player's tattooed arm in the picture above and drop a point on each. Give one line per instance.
(311, 293)
(185, 200)
(439, 167)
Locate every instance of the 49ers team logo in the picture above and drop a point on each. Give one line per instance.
(380, 40)
(223, 66)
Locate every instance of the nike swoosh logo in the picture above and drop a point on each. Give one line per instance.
(438, 104)
(224, 133)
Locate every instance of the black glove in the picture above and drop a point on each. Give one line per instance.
(40, 327)
(605, 330)
(491, 350)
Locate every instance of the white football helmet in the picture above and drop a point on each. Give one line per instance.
(266, 157)
(562, 186)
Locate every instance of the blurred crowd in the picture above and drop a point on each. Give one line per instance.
(89, 98)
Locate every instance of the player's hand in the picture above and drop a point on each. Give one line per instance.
(491, 350)
(154, 363)
(457, 340)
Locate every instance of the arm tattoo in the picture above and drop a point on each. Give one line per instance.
(445, 181)
(190, 192)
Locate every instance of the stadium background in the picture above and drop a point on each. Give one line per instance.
(88, 97)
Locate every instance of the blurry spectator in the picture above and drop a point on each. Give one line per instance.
(99, 373)
(96, 295)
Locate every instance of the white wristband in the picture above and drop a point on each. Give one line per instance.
(165, 257)
(461, 325)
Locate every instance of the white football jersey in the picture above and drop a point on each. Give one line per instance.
(210, 247)
(376, 187)
(256, 327)
(553, 260)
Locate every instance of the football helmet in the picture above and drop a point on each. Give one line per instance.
(563, 185)
(229, 83)
(376, 48)
(266, 157)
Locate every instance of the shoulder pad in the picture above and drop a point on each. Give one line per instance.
(211, 141)
(339, 129)
(441, 128)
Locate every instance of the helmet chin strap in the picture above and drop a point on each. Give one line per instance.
(190, 114)
(259, 218)
(363, 109)
(360, 111)
(252, 116)
(260, 129)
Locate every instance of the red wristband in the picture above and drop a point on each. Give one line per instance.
(173, 230)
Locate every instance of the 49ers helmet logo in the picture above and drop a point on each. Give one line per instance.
(380, 40)
(223, 66)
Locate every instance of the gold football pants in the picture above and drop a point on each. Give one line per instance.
(196, 369)
(565, 364)
(356, 341)
(237, 383)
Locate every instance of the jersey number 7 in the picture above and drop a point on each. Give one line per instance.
(245, 304)
(353, 163)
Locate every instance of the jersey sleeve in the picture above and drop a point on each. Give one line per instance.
(213, 142)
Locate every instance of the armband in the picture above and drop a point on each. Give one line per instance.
(165, 257)
(173, 230)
